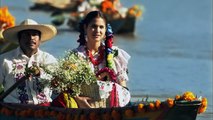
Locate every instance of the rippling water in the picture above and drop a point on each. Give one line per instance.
(171, 50)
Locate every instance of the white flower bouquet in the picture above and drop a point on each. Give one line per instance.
(70, 74)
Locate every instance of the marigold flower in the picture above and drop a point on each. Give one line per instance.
(189, 96)
(106, 116)
(203, 106)
(22, 113)
(53, 113)
(157, 104)
(140, 107)
(152, 106)
(68, 116)
(6, 111)
(170, 102)
(129, 113)
(39, 113)
(83, 117)
(93, 116)
(177, 97)
(29, 112)
(107, 6)
(135, 11)
(115, 115)
(6, 17)
(60, 116)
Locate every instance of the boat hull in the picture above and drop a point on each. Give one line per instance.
(180, 111)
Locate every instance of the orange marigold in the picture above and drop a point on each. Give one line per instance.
(177, 97)
(152, 106)
(106, 6)
(6, 17)
(203, 106)
(116, 115)
(93, 115)
(129, 113)
(157, 104)
(170, 102)
(135, 11)
(60, 116)
(189, 96)
(106, 116)
(83, 117)
(140, 107)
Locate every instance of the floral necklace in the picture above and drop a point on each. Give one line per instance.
(100, 56)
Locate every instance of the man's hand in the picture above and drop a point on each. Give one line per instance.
(33, 70)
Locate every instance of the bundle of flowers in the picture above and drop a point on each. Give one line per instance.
(189, 96)
(70, 74)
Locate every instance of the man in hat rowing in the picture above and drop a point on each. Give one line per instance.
(27, 60)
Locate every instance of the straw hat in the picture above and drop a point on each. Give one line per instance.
(47, 31)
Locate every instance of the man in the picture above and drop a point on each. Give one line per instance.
(27, 58)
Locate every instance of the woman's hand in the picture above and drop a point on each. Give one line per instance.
(83, 102)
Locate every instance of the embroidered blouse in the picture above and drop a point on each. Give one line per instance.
(12, 68)
(121, 62)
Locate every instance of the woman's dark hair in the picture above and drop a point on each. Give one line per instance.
(89, 17)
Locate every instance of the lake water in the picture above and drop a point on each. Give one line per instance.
(171, 50)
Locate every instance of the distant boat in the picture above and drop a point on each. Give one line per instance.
(182, 110)
(54, 5)
(119, 25)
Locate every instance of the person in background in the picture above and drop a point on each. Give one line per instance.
(108, 62)
(27, 59)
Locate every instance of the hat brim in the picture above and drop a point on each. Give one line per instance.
(47, 32)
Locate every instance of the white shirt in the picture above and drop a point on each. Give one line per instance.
(12, 67)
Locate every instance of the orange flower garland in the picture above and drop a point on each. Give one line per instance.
(115, 114)
(189, 96)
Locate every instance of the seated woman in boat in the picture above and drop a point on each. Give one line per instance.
(108, 62)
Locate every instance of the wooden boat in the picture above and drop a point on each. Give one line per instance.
(54, 5)
(120, 25)
(181, 110)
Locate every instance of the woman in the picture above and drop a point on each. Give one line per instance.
(108, 62)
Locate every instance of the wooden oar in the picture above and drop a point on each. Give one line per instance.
(7, 92)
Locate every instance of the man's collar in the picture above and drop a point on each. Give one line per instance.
(19, 52)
